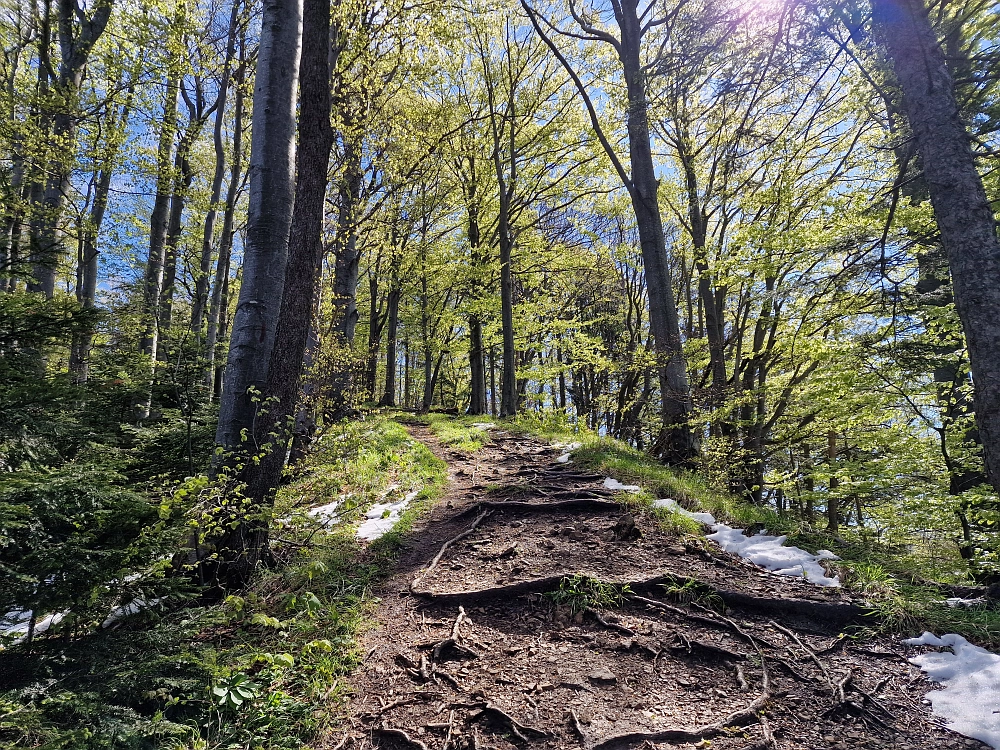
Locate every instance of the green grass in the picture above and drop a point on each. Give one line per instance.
(457, 433)
(266, 668)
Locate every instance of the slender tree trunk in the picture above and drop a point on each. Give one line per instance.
(77, 34)
(269, 214)
(218, 303)
(963, 212)
(200, 303)
(392, 332)
(832, 501)
(153, 278)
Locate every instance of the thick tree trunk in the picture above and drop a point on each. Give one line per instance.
(963, 212)
(269, 214)
(677, 444)
(305, 255)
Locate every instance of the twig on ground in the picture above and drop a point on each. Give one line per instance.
(577, 727)
(812, 655)
(445, 546)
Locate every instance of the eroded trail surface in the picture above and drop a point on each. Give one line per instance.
(474, 652)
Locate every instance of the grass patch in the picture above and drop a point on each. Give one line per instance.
(267, 667)
(458, 433)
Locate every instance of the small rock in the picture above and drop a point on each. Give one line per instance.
(603, 675)
(577, 536)
(517, 524)
(568, 530)
(548, 544)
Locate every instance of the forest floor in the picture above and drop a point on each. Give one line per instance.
(532, 608)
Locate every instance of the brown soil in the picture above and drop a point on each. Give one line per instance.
(472, 655)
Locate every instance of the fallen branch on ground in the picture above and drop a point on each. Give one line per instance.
(445, 546)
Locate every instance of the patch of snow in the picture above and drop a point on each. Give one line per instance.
(16, 623)
(483, 425)
(971, 679)
(614, 484)
(326, 513)
(769, 552)
(706, 518)
(132, 608)
(567, 449)
(957, 601)
(382, 517)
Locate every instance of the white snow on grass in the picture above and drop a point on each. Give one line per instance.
(957, 601)
(971, 678)
(567, 449)
(769, 552)
(329, 513)
(483, 425)
(134, 607)
(614, 484)
(706, 518)
(382, 517)
(16, 623)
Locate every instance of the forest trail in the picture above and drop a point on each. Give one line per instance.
(476, 646)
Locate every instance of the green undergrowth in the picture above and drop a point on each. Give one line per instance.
(263, 669)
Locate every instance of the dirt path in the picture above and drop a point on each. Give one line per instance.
(471, 654)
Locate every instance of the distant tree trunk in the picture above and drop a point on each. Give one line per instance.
(153, 277)
(392, 332)
(961, 207)
(201, 283)
(832, 501)
(219, 299)
(248, 546)
(77, 34)
(269, 215)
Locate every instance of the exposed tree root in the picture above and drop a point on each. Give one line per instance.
(444, 547)
(517, 506)
(738, 718)
(608, 624)
(400, 737)
(499, 716)
(453, 643)
(825, 613)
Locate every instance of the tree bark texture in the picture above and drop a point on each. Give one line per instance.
(269, 215)
(964, 216)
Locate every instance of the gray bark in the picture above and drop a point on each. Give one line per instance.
(964, 216)
(269, 215)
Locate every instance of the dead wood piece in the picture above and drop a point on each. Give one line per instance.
(340, 745)
(445, 546)
(450, 679)
(608, 624)
(453, 643)
(400, 736)
(451, 726)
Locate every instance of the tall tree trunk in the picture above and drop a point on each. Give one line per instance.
(77, 33)
(392, 332)
(677, 444)
(963, 212)
(200, 303)
(219, 299)
(269, 215)
(153, 277)
(248, 545)
(832, 500)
